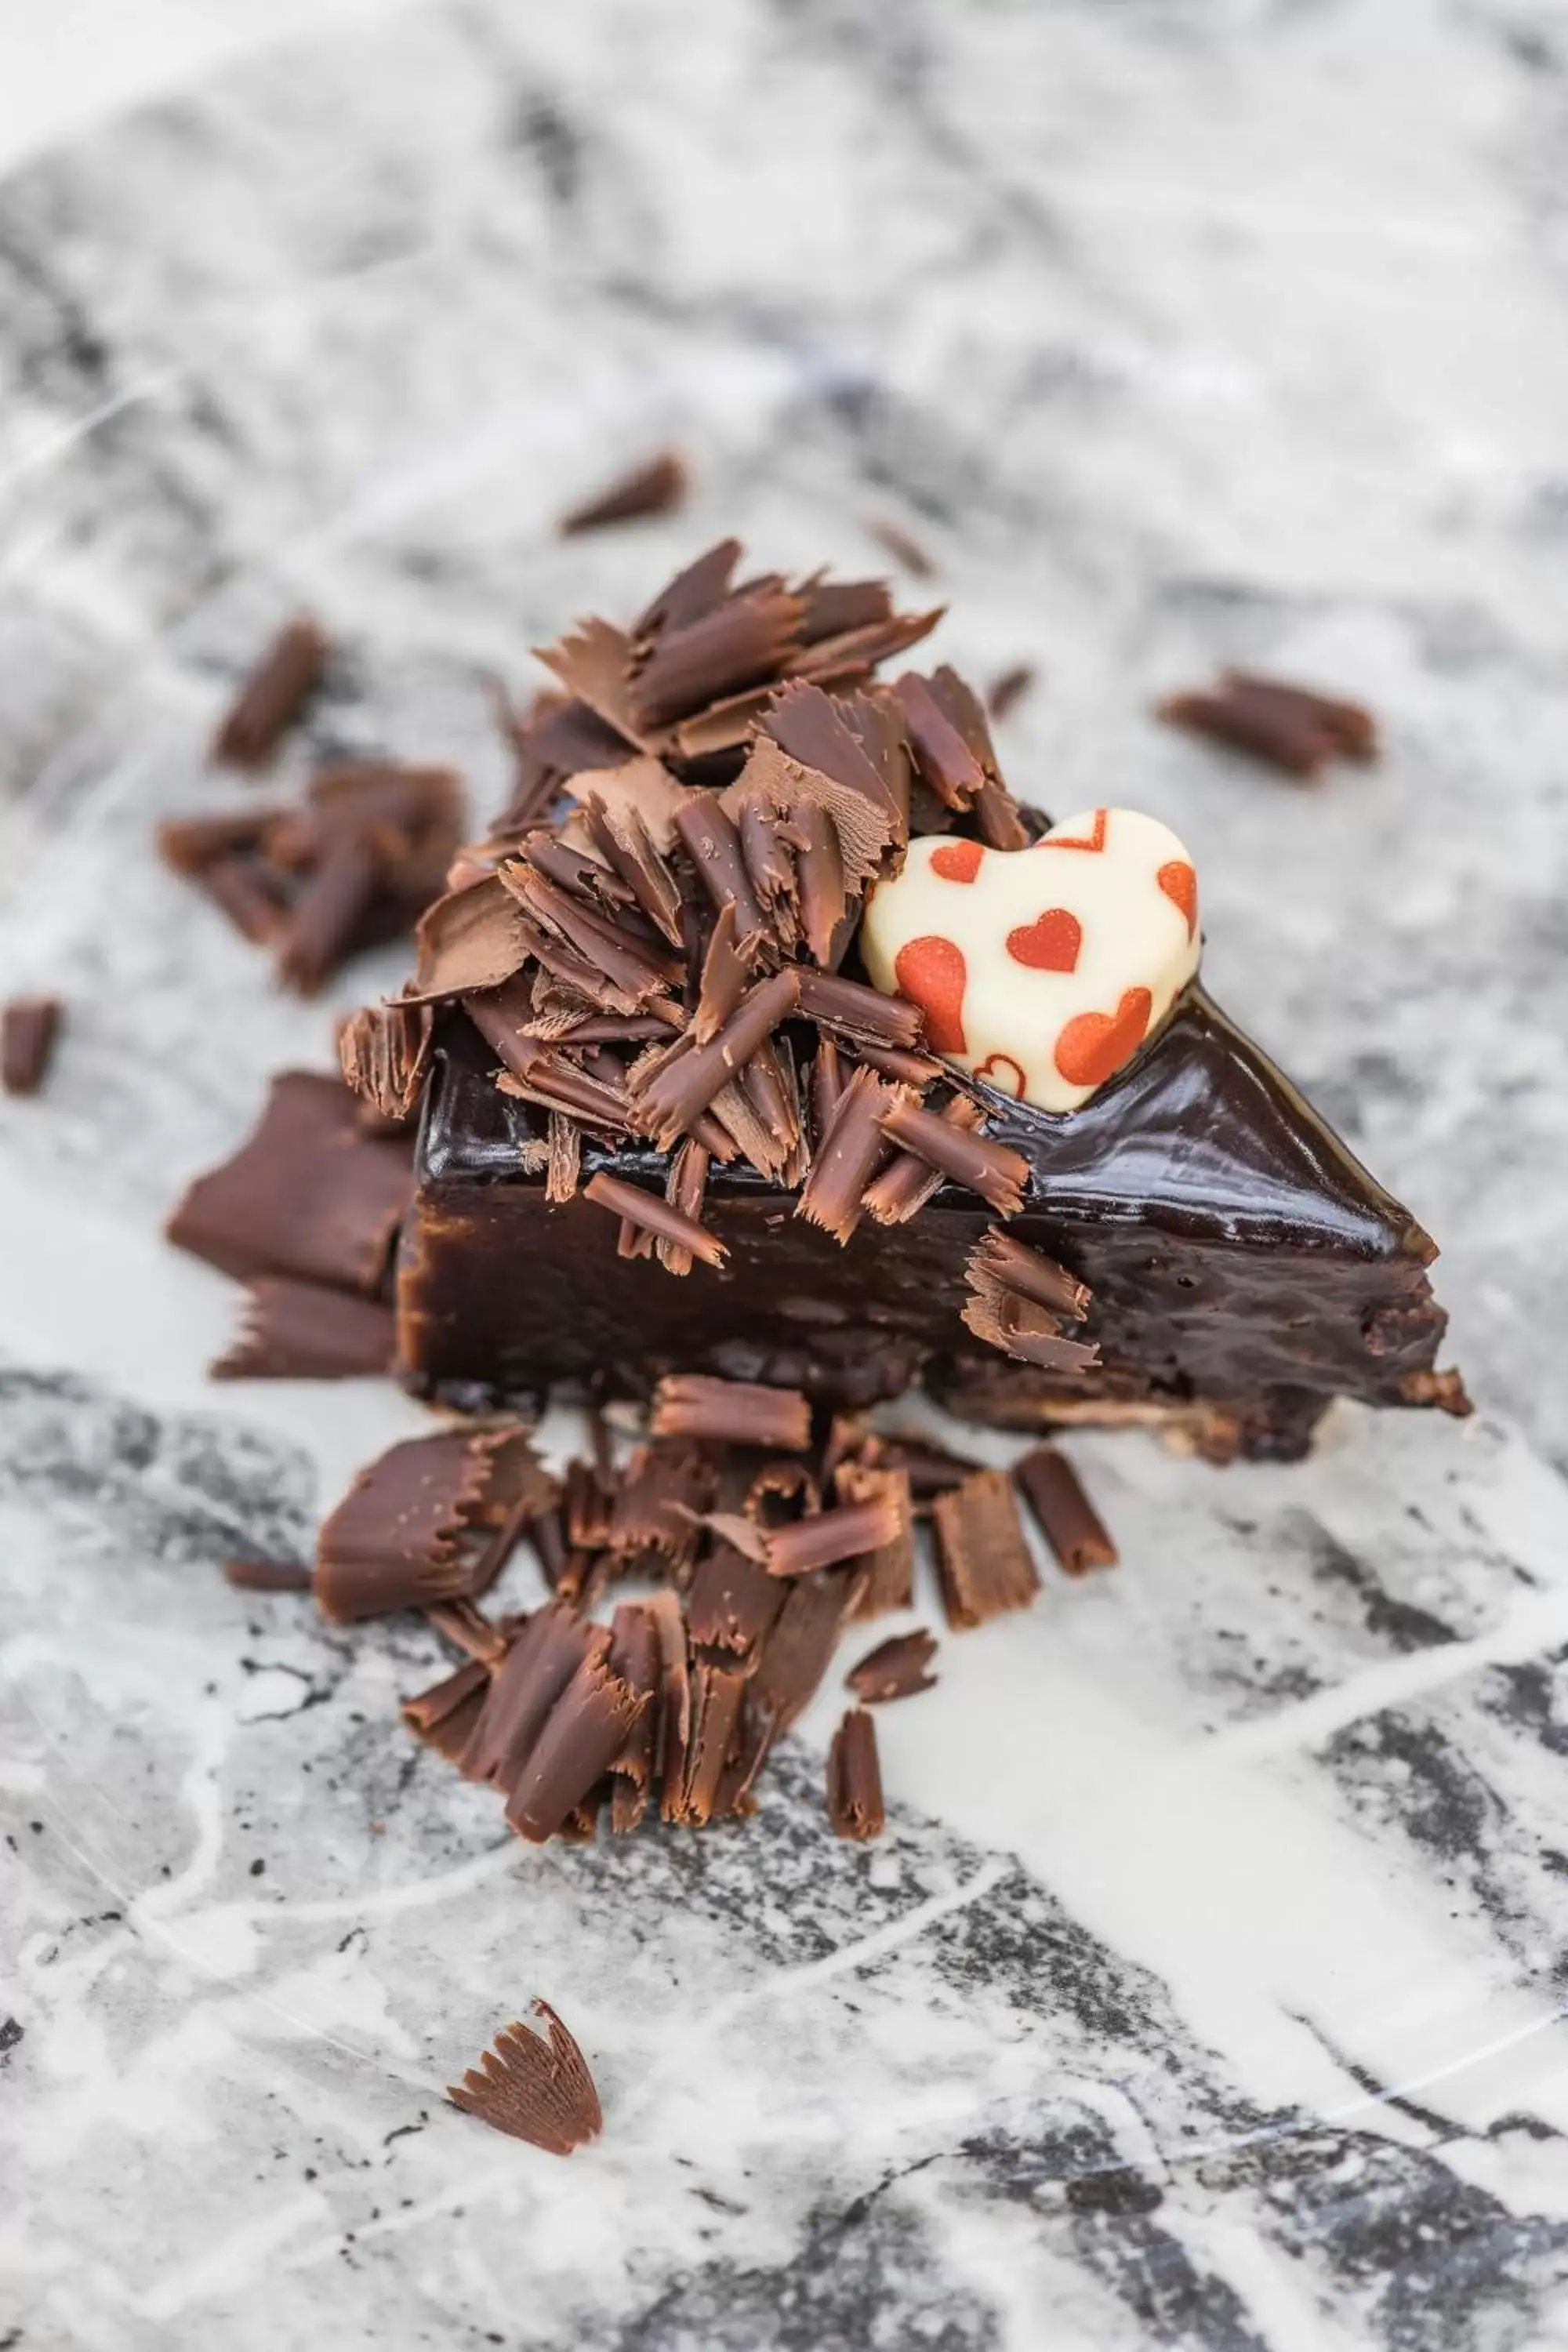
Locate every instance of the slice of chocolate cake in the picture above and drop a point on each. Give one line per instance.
(773, 1039)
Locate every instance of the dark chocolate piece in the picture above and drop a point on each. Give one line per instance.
(855, 1806)
(847, 1157)
(267, 1575)
(654, 1217)
(443, 1717)
(823, 1538)
(902, 547)
(716, 1694)
(798, 1651)
(984, 1560)
(635, 1658)
(894, 1669)
(532, 2089)
(303, 1331)
(910, 1180)
(1009, 687)
(1289, 727)
(586, 1731)
(471, 938)
(432, 1519)
(1063, 1512)
(309, 1195)
(666, 1487)
(692, 1404)
(691, 1077)
(28, 1028)
(862, 1014)
(273, 696)
(719, 860)
(656, 487)
(889, 1564)
(384, 1051)
(523, 1691)
(994, 1171)
(674, 1730)
(733, 1603)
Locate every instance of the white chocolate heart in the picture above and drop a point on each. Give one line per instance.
(1040, 970)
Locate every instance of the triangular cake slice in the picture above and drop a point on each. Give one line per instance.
(671, 1128)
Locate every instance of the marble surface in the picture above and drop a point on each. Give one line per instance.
(1207, 1990)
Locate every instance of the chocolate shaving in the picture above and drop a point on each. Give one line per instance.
(654, 487)
(908, 1183)
(823, 1538)
(733, 1603)
(246, 892)
(28, 1028)
(667, 1486)
(1009, 687)
(683, 1189)
(592, 662)
(1000, 820)
(902, 547)
(984, 1561)
(472, 939)
(997, 1175)
(865, 820)
(326, 918)
(740, 643)
(384, 1053)
(715, 847)
(534, 2090)
(821, 886)
(1017, 1300)
(945, 762)
(1289, 727)
(308, 1194)
(626, 839)
(1063, 1512)
(273, 696)
(587, 1732)
(847, 1157)
(443, 1717)
(432, 1519)
(626, 975)
(190, 843)
(855, 1807)
(827, 1086)
(894, 1669)
(303, 1331)
(647, 1213)
(691, 1077)
(267, 1575)
(798, 1651)
(930, 1471)
(524, 1689)
(744, 1413)
(862, 1014)
(723, 983)
(470, 1630)
(564, 1157)
(890, 1566)
(1030, 1273)
(674, 1726)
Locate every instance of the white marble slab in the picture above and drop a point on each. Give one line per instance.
(1206, 1988)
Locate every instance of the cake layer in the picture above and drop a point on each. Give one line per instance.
(1244, 1267)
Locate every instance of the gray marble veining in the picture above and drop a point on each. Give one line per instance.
(1206, 1990)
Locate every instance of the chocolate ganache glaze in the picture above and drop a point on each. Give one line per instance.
(1244, 1269)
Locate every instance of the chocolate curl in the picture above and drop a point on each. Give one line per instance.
(742, 1412)
(526, 1686)
(824, 893)
(626, 976)
(587, 1732)
(826, 1085)
(908, 1183)
(1029, 1274)
(654, 1218)
(29, 1027)
(654, 487)
(768, 843)
(1017, 1300)
(740, 645)
(944, 760)
(823, 1538)
(443, 1717)
(847, 1157)
(998, 1174)
(384, 1053)
(674, 1732)
(1009, 687)
(431, 1520)
(536, 2091)
(683, 1189)
(273, 696)
(724, 972)
(690, 1077)
(894, 1669)
(664, 1491)
(798, 1651)
(984, 1560)
(1000, 820)
(1289, 727)
(1063, 1512)
(573, 870)
(564, 1157)
(301, 1330)
(717, 1694)
(472, 939)
(187, 845)
(327, 915)
(855, 1806)
(890, 1566)
(556, 1084)
(733, 1603)
(240, 886)
(625, 840)
(714, 848)
(635, 1658)
(862, 1014)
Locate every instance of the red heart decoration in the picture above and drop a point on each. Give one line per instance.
(958, 861)
(1093, 1045)
(1180, 885)
(1094, 839)
(1050, 943)
(931, 973)
(1004, 1074)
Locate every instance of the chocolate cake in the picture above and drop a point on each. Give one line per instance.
(712, 1088)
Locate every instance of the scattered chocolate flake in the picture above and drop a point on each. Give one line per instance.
(781, 1492)
(902, 549)
(1446, 1390)
(733, 1603)
(587, 1729)
(847, 1157)
(189, 845)
(303, 1331)
(524, 1689)
(433, 1519)
(587, 1498)
(443, 1717)
(532, 2089)
(309, 1195)
(1063, 1512)
(894, 1669)
(470, 1631)
(862, 1014)
(715, 849)
(469, 939)
(930, 1471)
(267, 1575)
(693, 1404)
(683, 1189)
(827, 1084)
(327, 918)
(890, 1566)
(798, 1651)
(655, 487)
(716, 1694)
(656, 1218)
(674, 1733)
(564, 1157)
(823, 1538)
(855, 1806)
(669, 1092)
(944, 760)
(984, 1562)
(29, 1027)
(1009, 687)
(273, 696)
(908, 1182)
(1289, 727)
(1017, 1299)
(997, 1175)
(247, 891)
(384, 1053)
(668, 1486)
(634, 1658)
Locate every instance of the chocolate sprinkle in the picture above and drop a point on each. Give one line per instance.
(656, 487)
(534, 2089)
(855, 1806)
(1063, 1512)
(28, 1028)
(984, 1560)
(1009, 687)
